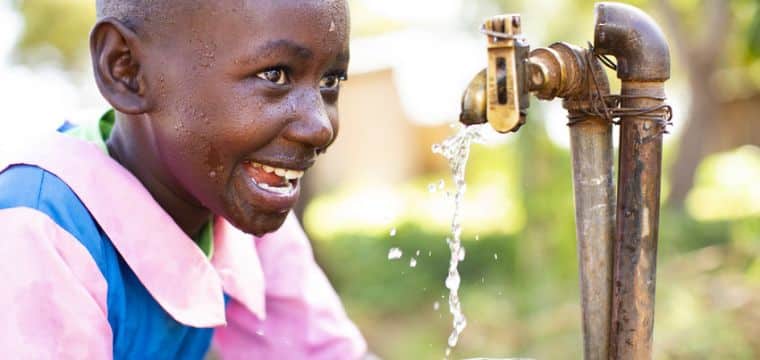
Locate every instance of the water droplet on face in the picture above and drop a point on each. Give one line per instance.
(393, 232)
(413, 262)
(394, 254)
(212, 174)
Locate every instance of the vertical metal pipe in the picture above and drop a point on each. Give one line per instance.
(591, 143)
(643, 65)
(572, 73)
(638, 214)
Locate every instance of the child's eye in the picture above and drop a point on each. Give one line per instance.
(276, 76)
(330, 82)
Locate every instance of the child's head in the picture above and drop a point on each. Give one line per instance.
(210, 94)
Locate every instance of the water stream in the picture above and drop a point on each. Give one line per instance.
(456, 150)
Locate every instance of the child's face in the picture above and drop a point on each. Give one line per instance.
(247, 83)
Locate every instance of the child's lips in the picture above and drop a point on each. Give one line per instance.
(273, 188)
(270, 175)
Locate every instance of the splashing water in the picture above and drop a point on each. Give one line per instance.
(395, 254)
(456, 150)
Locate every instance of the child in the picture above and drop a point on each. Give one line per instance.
(133, 245)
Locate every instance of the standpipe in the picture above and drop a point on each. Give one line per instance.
(617, 320)
(643, 65)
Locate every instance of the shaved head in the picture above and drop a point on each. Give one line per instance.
(137, 13)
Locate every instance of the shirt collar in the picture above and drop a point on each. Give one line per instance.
(98, 133)
(168, 263)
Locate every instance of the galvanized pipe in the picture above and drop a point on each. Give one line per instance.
(591, 144)
(643, 61)
(593, 185)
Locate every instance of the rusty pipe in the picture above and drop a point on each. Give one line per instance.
(571, 73)
(643, 60)
(594, 190)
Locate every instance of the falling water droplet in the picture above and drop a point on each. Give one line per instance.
(413, 262)
(495, 256)
(418, 253)
(394, 254)
(212, 174)
(456, 150)
(393, 232)
(441, 184)
(436, 306)
(452, 281)
(477, 237)
(432, 188)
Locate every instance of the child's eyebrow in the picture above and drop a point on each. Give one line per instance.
(286, 45)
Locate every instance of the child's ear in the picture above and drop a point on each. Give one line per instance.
(116, 58)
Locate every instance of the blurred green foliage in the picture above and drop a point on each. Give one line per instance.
(55, 30)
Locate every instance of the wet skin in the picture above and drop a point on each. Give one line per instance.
(223, 84)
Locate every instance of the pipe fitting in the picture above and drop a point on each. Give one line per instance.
(634, 39)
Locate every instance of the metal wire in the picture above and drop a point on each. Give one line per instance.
(609, 107)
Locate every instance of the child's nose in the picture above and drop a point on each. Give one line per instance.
(311, 125)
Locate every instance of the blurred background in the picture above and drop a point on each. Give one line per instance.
(380, 186)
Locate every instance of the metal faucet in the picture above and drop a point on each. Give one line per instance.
(617, 238)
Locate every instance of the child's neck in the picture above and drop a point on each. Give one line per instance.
(139, 158)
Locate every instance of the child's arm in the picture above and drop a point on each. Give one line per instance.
(53, 299)
(304, 316)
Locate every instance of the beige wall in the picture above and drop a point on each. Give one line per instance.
(376, 142)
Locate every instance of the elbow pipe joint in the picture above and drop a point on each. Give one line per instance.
(634, 39)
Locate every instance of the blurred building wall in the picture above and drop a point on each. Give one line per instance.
(376, 143)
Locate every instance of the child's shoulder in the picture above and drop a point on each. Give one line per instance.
(32, 187)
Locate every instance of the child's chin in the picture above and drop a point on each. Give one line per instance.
(262, 224)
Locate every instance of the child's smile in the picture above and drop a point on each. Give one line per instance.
(240, 107)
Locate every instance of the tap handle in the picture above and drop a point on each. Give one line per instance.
(506, 90)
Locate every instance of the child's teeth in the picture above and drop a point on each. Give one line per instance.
(277, 189)
(285, 173)
(293, 174)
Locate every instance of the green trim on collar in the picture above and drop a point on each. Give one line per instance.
(98, 133)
